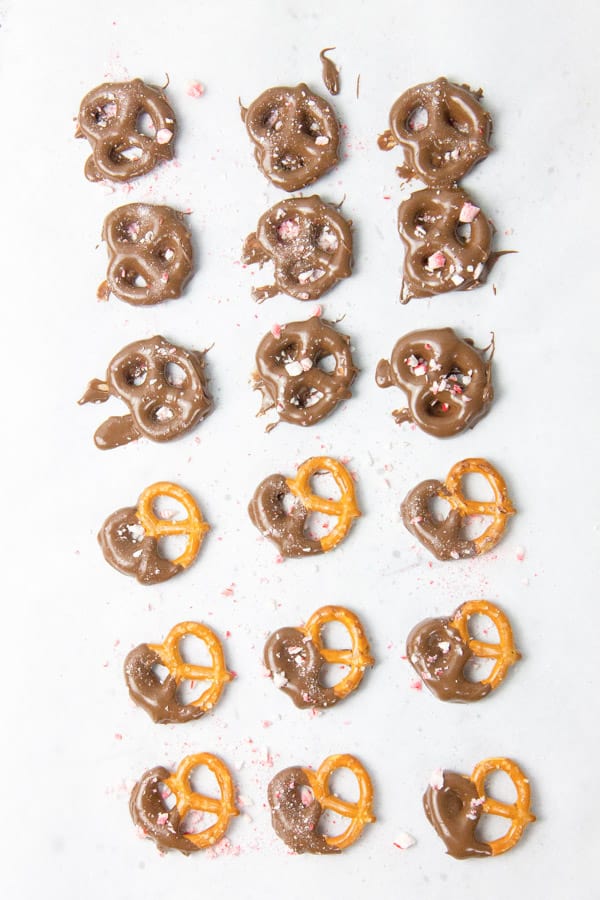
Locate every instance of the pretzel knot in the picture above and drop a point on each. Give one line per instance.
(503, 652)
(296, 135)
(149, 253)
(360, 813)
(519, 813)
(346, 508)
(442, 129)
(310, 244)
(216, 673)
(447, 240)
(287, 529)
(109, 117)
(444, 539)
(290, 378)
(129, 537)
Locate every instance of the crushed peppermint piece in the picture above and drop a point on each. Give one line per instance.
(469, 212)
(416, 684)
(456, 279)
(444, 646)
(306, 364)
(404, 840)
(322, 140)
(436, 780)
(454, 554)
(520, 554)
(164, 136)
(294, 368)
(419, 119)
(437, 260)
(276, 330)
(288, 230)
(279, 679)
(195, 89)
(317, 311)
(306, 796)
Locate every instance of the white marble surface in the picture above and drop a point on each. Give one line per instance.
(68, 619)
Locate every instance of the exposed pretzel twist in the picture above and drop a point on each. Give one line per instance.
(504, 652)
(357, 658)
(519, 813)
(186, 799)
(346, 508)
(499, 510)
(359, 813)
(216, 673)
(193, 525)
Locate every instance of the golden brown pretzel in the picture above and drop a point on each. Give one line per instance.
(504, 652)
(360, 812)
(519, 813)
(216, 673)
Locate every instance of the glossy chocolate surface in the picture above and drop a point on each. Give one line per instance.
(164, 386)
(308, 241)
(286, 529)
(295, 133)
(129, 550)
(454, 811)
(438, 654)
(443, 538)
(295, 812)
(149, 253)
(290, 377)
(447, 381)
(158, 699)
(296, 664)
(149, 813)
(109, 117)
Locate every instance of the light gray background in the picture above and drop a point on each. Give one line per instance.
(68, 619)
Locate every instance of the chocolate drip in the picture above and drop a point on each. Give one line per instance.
(295, 812)
(454, 811)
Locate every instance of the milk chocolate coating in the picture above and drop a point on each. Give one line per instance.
(289, 652)
(309, 395)
(146, 806)
(267, 513)
(454, 812)
(295, 823)
(308, 241)
(441, 667)
(127, 548)
(296, 136)
(454, 137)
(429, 223)
(149, 242)
(161, 408)
(159, 699)
(455, 390)
(443, 538)
(330, 72)
(109, 117)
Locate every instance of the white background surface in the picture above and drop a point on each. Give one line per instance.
(68, 619)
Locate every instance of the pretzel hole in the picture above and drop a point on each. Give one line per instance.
(326, 239)
(196, 820)
(190, 689)
(144, 124)
(331, 824)
(439, 508)
(476, 487)
(343, 783)
(309, 125)
(270, 118)
(103, 113)
(499, 785)
(165, 507)
(477, 669)
(318, 525)
(288, 230)
(305, 398)
(334, 635)
(174, 374)
(172, 546)
(136, 372)
(289, 162)
(203, 781)
(327, 363)
(442, 407)
(324, 484)
(463, 232)
(138, 280)
(286, 354)
(473, 526)
(482, 628)
(194, 651)
(418, 119)
(121, 154)
(160, 672)
(167, 796)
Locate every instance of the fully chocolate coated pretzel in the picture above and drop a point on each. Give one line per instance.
(296, 135)
(163, 404)
(310, 244)
(447, 382)
(290, 378)
(447, 242)
(149, 253)
(443, 130)
(109, 118)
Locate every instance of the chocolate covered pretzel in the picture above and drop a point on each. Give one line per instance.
(149, 253)
(447, 381)
(164, 386)
(290, 377)
(296, 135)
(287, 528)
(308, 241)
(439, 650)
(109, 117)
(443, 130)
(447, 240)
